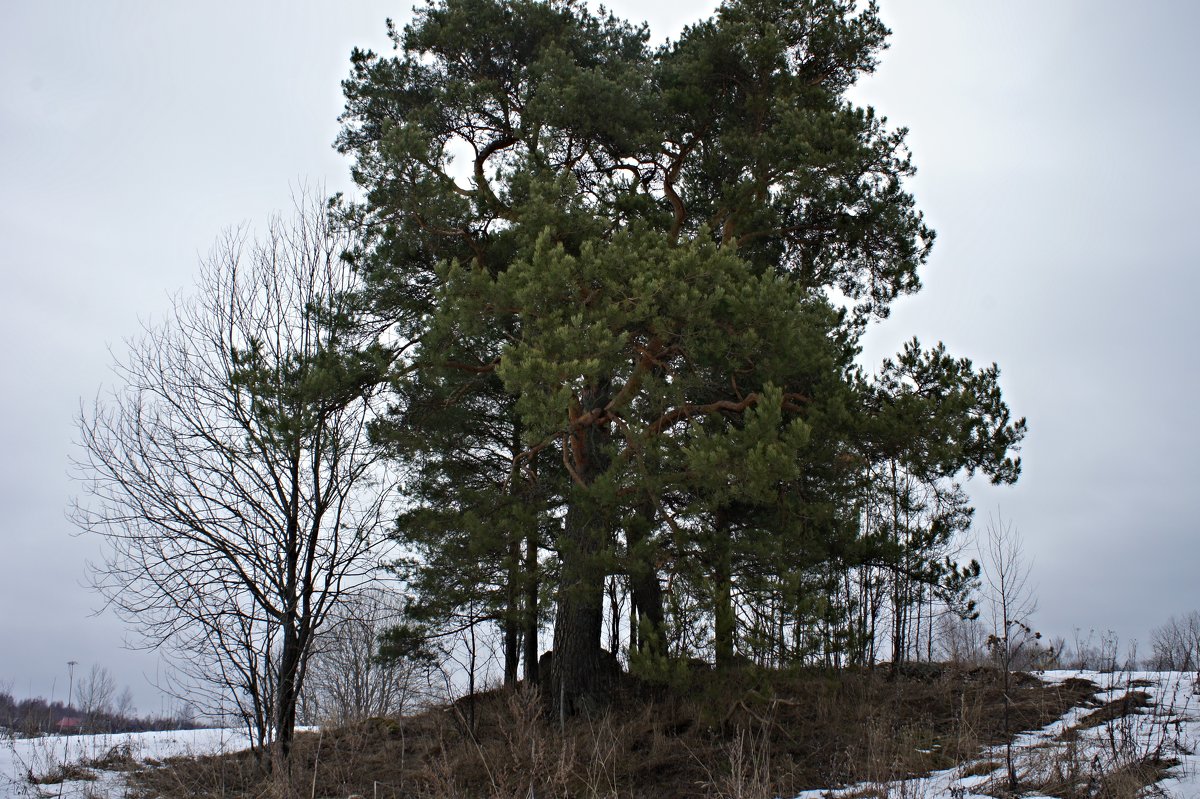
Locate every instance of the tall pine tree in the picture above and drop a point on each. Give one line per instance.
(626, 285)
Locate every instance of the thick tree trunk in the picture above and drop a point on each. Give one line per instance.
(578, 626)
(576, 670)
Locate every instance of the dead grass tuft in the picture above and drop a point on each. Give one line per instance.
(65, 772)
(117, 758)
(1128, 704)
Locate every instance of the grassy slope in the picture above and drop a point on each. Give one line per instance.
(745, 733)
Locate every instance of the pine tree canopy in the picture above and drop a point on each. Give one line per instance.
(625, 286)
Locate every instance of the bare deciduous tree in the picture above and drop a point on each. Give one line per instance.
(1176, 644)
(348, 681)
(95, 695)
(124, 708)
(1013, 603)
(230, 474)
(962, 641)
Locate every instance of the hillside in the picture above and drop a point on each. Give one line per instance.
(931, 731)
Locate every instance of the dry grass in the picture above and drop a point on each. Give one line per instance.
(1108, 754)
(64, 772)
(742, 734)
(1131, 702)
(117, 758)
(1068, 775)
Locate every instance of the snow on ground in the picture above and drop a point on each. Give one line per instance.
(19, 757)
(1168, 730)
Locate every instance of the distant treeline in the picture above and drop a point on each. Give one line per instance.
(38, 716)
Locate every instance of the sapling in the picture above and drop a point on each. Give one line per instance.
(1013, 603)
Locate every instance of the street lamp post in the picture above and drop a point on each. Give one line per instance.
(71, 681)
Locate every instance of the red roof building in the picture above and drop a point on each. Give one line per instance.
(69, 724)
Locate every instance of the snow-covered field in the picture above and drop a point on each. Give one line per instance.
(20, 757)
(1166, 730)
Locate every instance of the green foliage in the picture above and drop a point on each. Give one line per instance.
(652, 663)
(626, 331)
(404, 643)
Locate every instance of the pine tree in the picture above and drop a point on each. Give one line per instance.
(634, 314)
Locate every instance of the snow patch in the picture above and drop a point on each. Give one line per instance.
(21, 758)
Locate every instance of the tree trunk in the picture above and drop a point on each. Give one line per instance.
(289, 656)
(532, 585)
(285, 706)
(515, 618)
(576, 666)
(576, 670)
(644, 587)
(512, 615)
(724, 621)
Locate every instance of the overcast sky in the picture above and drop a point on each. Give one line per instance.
(1056, 149)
